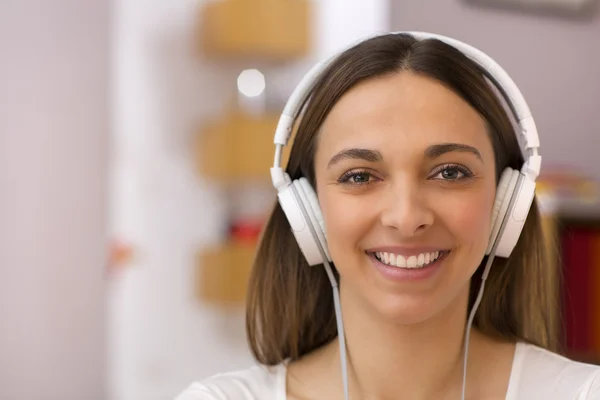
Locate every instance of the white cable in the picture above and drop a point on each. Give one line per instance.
(472, 317)
(484, 276)
(336, 296)
(340, 329)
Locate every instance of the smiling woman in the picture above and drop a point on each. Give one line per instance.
(414, 164)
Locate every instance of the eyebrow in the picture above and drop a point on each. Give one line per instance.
(437, 150)
(356, 154)
(434, 151)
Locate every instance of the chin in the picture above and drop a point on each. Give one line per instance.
(406, 309)
(409, 308)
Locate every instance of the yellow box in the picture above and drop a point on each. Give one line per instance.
(273, 29)
(223, 273)
(238, 147)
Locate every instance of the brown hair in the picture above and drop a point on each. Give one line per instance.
(290, 309)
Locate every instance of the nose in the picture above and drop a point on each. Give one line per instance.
(405, 208)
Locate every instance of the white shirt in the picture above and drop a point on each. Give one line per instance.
(537, 374)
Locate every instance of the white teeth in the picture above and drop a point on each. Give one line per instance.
(398, 260)
(411, 262)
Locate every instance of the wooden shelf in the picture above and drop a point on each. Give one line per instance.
(239, 147)
(223, 273)
(273, 29)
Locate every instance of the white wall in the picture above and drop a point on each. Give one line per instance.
(53, 161)
(161, 337)
(555, 62)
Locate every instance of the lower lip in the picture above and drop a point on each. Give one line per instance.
(408, 274)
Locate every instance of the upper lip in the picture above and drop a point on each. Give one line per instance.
(405, 250)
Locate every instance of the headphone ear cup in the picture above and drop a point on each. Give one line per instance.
(504, 194)
(295, 206)
(309, 198)
(521, 199)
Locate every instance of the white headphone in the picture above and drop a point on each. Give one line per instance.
(515, 191)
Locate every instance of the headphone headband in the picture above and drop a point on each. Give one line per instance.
(492, 70)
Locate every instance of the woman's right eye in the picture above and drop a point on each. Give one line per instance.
(356, 178)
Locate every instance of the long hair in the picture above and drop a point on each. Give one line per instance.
(290, 309)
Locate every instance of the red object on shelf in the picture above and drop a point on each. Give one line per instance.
(246, 231)
(595, 293)
(578, 288)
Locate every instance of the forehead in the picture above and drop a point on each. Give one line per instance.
(402, 108)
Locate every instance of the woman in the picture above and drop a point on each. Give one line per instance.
(404, 142)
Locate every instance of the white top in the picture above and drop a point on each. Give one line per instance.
(537, 374)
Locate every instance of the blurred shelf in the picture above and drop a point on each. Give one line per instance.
(238, 147)
(272, 29)
(223, 273)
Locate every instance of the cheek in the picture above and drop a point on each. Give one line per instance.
(469, 220)
(346, 222)
(337, 215)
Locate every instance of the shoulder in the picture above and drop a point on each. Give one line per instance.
(255, 383)
(539, 373)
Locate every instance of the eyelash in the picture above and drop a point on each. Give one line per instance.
(455, 167)
(346, 177)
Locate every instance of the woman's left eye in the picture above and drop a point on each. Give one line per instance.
(452, 173)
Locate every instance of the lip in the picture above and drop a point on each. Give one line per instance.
(406, 251)
(397, 274)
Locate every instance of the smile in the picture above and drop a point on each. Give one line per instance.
(409, 262)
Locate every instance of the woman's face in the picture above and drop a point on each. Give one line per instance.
(406, 181)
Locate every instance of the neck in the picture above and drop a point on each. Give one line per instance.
(388, 360)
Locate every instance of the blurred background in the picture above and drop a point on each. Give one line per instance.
(135, 142)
